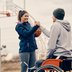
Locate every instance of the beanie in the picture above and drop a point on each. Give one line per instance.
(59, 13)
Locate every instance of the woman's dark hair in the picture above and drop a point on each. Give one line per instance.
(21, 13)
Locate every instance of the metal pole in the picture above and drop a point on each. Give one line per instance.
(24, 4)
(0, 49)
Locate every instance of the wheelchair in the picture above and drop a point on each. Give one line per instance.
(55, 65)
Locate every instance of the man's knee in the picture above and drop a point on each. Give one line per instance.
(38, 63)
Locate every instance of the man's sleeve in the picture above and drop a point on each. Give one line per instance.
(45, 31)
(54, 33)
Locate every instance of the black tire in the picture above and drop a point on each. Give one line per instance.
(57, 69)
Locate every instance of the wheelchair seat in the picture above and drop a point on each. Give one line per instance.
(55, 62)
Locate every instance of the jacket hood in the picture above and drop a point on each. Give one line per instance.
(65, 24)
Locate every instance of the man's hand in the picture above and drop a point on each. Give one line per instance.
(37, 23)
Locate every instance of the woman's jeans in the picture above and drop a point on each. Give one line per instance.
(27, 60)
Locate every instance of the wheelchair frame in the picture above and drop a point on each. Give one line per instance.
(53, 65)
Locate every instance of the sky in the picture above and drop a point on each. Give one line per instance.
(41, 10)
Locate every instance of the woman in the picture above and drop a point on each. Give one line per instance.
(27, 41)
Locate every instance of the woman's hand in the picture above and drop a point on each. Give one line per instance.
(37, 23)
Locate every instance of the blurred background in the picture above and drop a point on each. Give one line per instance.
(41, 10)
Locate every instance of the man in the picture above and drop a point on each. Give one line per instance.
(59, 36)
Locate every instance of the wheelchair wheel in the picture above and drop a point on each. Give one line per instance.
(33, 70)
(50, 68)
